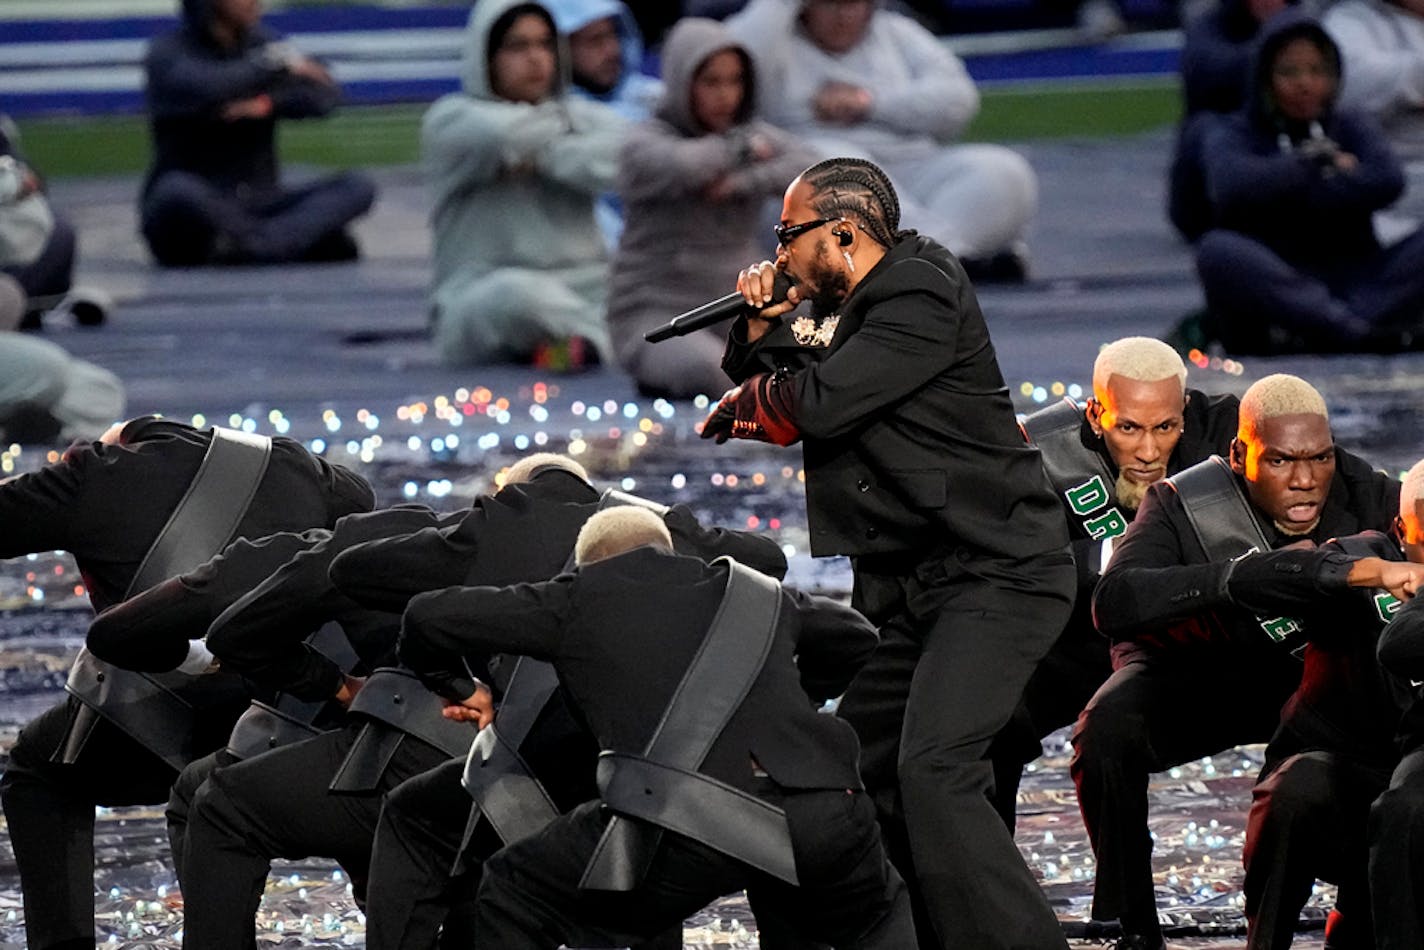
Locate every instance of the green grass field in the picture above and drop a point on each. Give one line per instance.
(387, 135)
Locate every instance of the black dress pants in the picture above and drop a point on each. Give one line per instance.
(277, 805)
(1307, 821)
(1060, 687)
(1396, 862)
(49, 807)
(529, 898)
(1157, 711)
(958, 643)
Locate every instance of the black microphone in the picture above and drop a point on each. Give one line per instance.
(723, 308)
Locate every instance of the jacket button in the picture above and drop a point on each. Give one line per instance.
(863, 485)
(397, 699)
(872, 533)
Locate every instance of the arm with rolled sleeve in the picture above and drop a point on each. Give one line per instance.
(446, 633)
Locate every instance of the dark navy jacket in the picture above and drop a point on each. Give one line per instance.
(191, 79)
(1262, 185)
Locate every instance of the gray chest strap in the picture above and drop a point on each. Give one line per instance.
(396, 705)
(663, 789)
(288, 720)
(1079, 475)
(158, 710)
(1227, 528)
(505, 789)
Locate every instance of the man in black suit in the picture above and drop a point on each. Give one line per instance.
(106, 502)
(636, 634)
(1179, 619)
(1141, 425)
(915, 467)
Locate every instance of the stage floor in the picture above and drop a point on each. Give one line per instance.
(337, 353)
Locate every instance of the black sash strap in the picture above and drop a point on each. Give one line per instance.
(395, 701)
(287, 720)
(664, 790)
(157, 710)
(1079, 474)
(504, 788)
(1227, 528)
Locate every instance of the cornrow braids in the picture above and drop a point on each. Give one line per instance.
(857, 189)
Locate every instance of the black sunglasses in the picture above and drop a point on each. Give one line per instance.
(786, 233)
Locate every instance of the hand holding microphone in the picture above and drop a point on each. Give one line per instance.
(759, 286)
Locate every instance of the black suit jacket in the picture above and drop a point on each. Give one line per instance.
(910, 439)
(105, 504)
(621, 634)
(1160, 586)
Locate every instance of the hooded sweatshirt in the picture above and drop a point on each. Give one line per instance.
(1384, 47)
(513, 184)
(191, 78)
(1262, 185)
(680, 248)
(1216, 57)
(635, 94)
(922, 95)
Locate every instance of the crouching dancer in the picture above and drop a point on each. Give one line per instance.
(717, 773)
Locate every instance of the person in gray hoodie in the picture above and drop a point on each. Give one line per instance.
(693, 180)
(514, 164)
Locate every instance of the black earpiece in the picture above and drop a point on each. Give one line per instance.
(845, 237)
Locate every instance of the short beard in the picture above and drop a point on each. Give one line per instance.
(1129, 492)
(832, 286)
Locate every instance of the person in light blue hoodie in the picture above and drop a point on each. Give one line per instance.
(606, 55)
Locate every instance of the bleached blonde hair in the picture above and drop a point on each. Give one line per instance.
(1279, 394)
(1411, 492)
(1138, 358)
(526, 468)
(619, 530)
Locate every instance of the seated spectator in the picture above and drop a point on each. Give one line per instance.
(46, 395)
(850, 78)
(36, 245)
(606, 55)
(1382, 45)
(693, 181)
(1293, 264)
(606, 59)
(216, 87)
(514, 163)
(1216, 67)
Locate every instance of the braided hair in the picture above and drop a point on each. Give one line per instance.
(859, 190)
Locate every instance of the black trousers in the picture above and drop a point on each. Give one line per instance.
(956, 651)
(529, 898)
(188, 221)
(277, 805)
(1149, 716)
(1307, 821)
(1060, 687)
(50, 811)
(1396, 857)
(423, 885)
